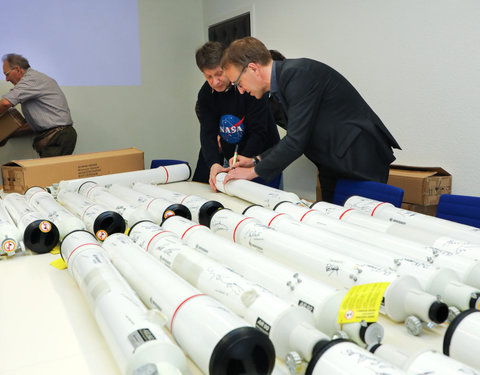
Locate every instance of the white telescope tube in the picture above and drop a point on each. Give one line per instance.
(387, 211)
(337, 219)
(159, 208)
(10, 236)
(160, 175)
(201, 209)
(98, 219)
(424, 362)
(133, 334)
(434, 280)
(42, 201)
(254, 192)
(212, 335)
(299, 289)
(444, 242)
(290, 328)
(403, 297)
(39, 234)
(462, 338)
(328, 357)
(100, 194)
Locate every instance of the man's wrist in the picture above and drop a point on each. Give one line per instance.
(256, 160)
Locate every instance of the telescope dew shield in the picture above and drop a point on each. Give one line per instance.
(133, 333)
(254, 192)
(341, 357)
(213, 336)
(462, 338)
(160, 175)
(201, 209)
(39, 234)
(423, 362)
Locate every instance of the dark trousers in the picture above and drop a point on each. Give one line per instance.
(61, 143)
(202, 172)
(328, 180)
(365, 160)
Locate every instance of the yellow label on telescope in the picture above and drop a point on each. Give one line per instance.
(59, 264)
(362, 303)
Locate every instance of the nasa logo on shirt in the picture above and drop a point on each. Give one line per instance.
(231, 128)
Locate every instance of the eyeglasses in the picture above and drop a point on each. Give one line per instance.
(236, 83)
(7, 73)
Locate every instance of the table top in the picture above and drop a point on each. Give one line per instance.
(48, 328)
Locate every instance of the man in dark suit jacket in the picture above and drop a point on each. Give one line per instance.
(327, 119)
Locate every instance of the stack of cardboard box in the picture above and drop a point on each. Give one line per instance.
(422, 186)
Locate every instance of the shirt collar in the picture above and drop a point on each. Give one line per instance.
(273, 80)
(226, 90)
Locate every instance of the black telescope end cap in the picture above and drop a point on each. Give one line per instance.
(109, 221)
(245, 350)
(318, 350)
(438, 312)
(447, 339)
(177, 209)
(206, 212)
(41, 236)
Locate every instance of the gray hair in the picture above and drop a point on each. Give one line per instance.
(16, 60)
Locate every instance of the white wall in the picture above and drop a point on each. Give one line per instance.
(156, 117)
(415, 62)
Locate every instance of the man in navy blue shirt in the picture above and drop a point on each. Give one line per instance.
(228, 118)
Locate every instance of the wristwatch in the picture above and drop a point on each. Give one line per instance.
(256, 160)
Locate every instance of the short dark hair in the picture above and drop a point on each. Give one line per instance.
(16, 60)
(277, 56)
(243, 51)
(209, 55)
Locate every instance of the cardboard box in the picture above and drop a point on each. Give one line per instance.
(422, 185)
(426, 210)
(9, 122)
(19, 175)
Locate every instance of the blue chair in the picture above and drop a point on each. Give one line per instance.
(163, 162)
(368, 189)
(459, 208)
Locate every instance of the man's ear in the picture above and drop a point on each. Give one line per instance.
(254, 67)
